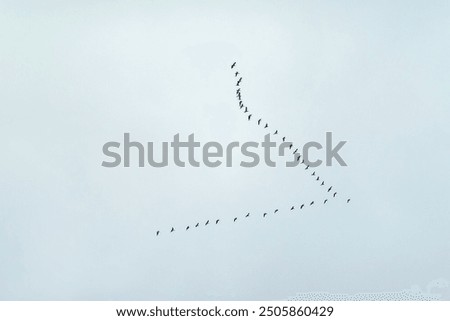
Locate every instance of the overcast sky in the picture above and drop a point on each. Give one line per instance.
(75, 76)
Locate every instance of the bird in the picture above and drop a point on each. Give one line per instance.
(241, 106)
(238, 91)
(302, 206)
(292, 208)
(276, 210)
(264, 215)
(241, 103)
(196, 225)
(217, 221)
(187, 227)
(259, 121)
(311, 203)
(348, 200)
(157, 233)
(298, 158)
(290, 146)
(334, 195)
(207, 222)
(234, 64)
(236, 73)
(307, 166)
(330, 188)
(267, 125)
(325, 201)
(172, 230)
(248, 214)
(295, 151)
(235, 219)
(240, 79)
(323, 182)
(237, 84)
(284, 138)
(249, 116)
(246, 110)
(317, 178)
(276, 132)
(313, 174)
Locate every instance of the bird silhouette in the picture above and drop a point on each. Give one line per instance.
(234, 64)
(235, 219)
(330, 188)
(259, 121)
(325, 201)
(217, 221)
(323, 183)
(157, 233)
(267, 125)
(246, 110)
(313, 174)
(298, 158)
(317, 178)
(207, 222)
(284, 138)
(264, 215)
(290, 146)
(240, 79)
(248, 214)
(348, 200)
(292, 208)
(249, 116)
(307, 166)
(334, 195)
(276, 132)
(295, 151)
(237, 84)
(196, 225)
(236, 73)
(187, 227)
(302, 206)
(276, 210)
(241, 103)
(311, 203)
(172, 230)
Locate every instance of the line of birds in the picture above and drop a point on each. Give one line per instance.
(217, 221)
(260, 121)
(295, 152)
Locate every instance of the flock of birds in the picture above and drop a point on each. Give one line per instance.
(298, 156)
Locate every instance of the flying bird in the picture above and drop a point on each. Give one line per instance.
(290, 146)
(276, 210)
(236, 73)
(217, 221)
(207, 222)
(267, 125)
(313, 174)
(298, 158)
(249, 116)
(317, 178)
(264, 215)
(348, 200)
(311, 203)
(302, 206)
(157, 233)
(284, 138)
(259, 121)
(196, 225)
(334, 195)
(234, 64)
(235, 219)
(187, 227)
(246, 110)
(172, 230)
(325, 201)
(330, 188)
(276, 132)
(295, 151)
(248, 214)
(307, 166)
(292, 208)
(323, 182)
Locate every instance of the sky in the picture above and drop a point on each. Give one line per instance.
(76, 75)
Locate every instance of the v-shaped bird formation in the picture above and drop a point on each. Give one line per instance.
(261, 122)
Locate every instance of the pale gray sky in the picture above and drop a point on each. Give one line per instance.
(74, 76)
